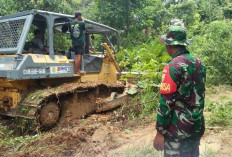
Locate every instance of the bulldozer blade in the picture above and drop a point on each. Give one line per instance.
(113, 103)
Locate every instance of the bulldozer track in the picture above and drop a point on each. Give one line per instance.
(88, 93)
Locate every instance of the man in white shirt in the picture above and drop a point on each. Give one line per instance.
(37, 39)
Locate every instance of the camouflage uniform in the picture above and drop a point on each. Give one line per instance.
(180, 112)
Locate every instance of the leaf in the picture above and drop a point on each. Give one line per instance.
(142, 84)
(132, 91)
(127, 131)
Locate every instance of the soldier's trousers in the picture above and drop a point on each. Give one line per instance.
(174, 147)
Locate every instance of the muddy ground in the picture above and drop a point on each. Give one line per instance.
(99, 135)
(111, 135)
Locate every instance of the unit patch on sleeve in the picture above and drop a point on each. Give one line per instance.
(168, 86)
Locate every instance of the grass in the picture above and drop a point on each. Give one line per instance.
(208, 153)
(221, 115)
(144, 151)
(149, 151)
(9, 140)
(218, 104)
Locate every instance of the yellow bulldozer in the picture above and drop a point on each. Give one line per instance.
(40, 87)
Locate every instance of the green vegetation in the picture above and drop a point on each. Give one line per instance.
(145, 151)
(148, 59)
(211, 31)
(218, 106)
(213, 46)
(148, 151)
(139, 23)
(8, 140)
(221, 114)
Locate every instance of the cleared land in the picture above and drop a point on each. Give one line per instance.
(108, 134)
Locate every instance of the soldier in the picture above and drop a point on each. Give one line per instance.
(180, 121)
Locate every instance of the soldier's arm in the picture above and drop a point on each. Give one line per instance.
(169, 85)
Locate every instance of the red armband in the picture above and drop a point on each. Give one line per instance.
(168, 86)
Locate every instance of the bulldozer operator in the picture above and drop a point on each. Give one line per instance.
(37, 41)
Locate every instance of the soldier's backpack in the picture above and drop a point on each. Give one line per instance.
(75, 32)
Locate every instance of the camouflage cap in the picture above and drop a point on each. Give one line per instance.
(175, 36)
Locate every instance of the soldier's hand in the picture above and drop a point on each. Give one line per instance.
(158, 142)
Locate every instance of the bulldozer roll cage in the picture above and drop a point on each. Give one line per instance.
(14, 29)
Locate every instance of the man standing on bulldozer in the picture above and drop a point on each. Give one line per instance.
(180, 121)
(77, 28)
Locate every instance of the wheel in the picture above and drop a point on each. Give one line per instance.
(49, 115)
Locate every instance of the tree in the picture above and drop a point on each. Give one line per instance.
(213, 46)
(210, 10)
(8, 7)
(187, 11)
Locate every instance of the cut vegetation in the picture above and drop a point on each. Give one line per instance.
(111, 134)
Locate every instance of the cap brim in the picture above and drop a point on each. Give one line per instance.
(167, 41)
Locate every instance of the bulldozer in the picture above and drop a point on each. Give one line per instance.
(40, 88)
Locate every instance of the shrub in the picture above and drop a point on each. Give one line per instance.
(213, 46)
(149, 59)
(221, 114)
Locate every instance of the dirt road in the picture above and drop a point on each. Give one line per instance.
(111, 135)
(99, 136)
